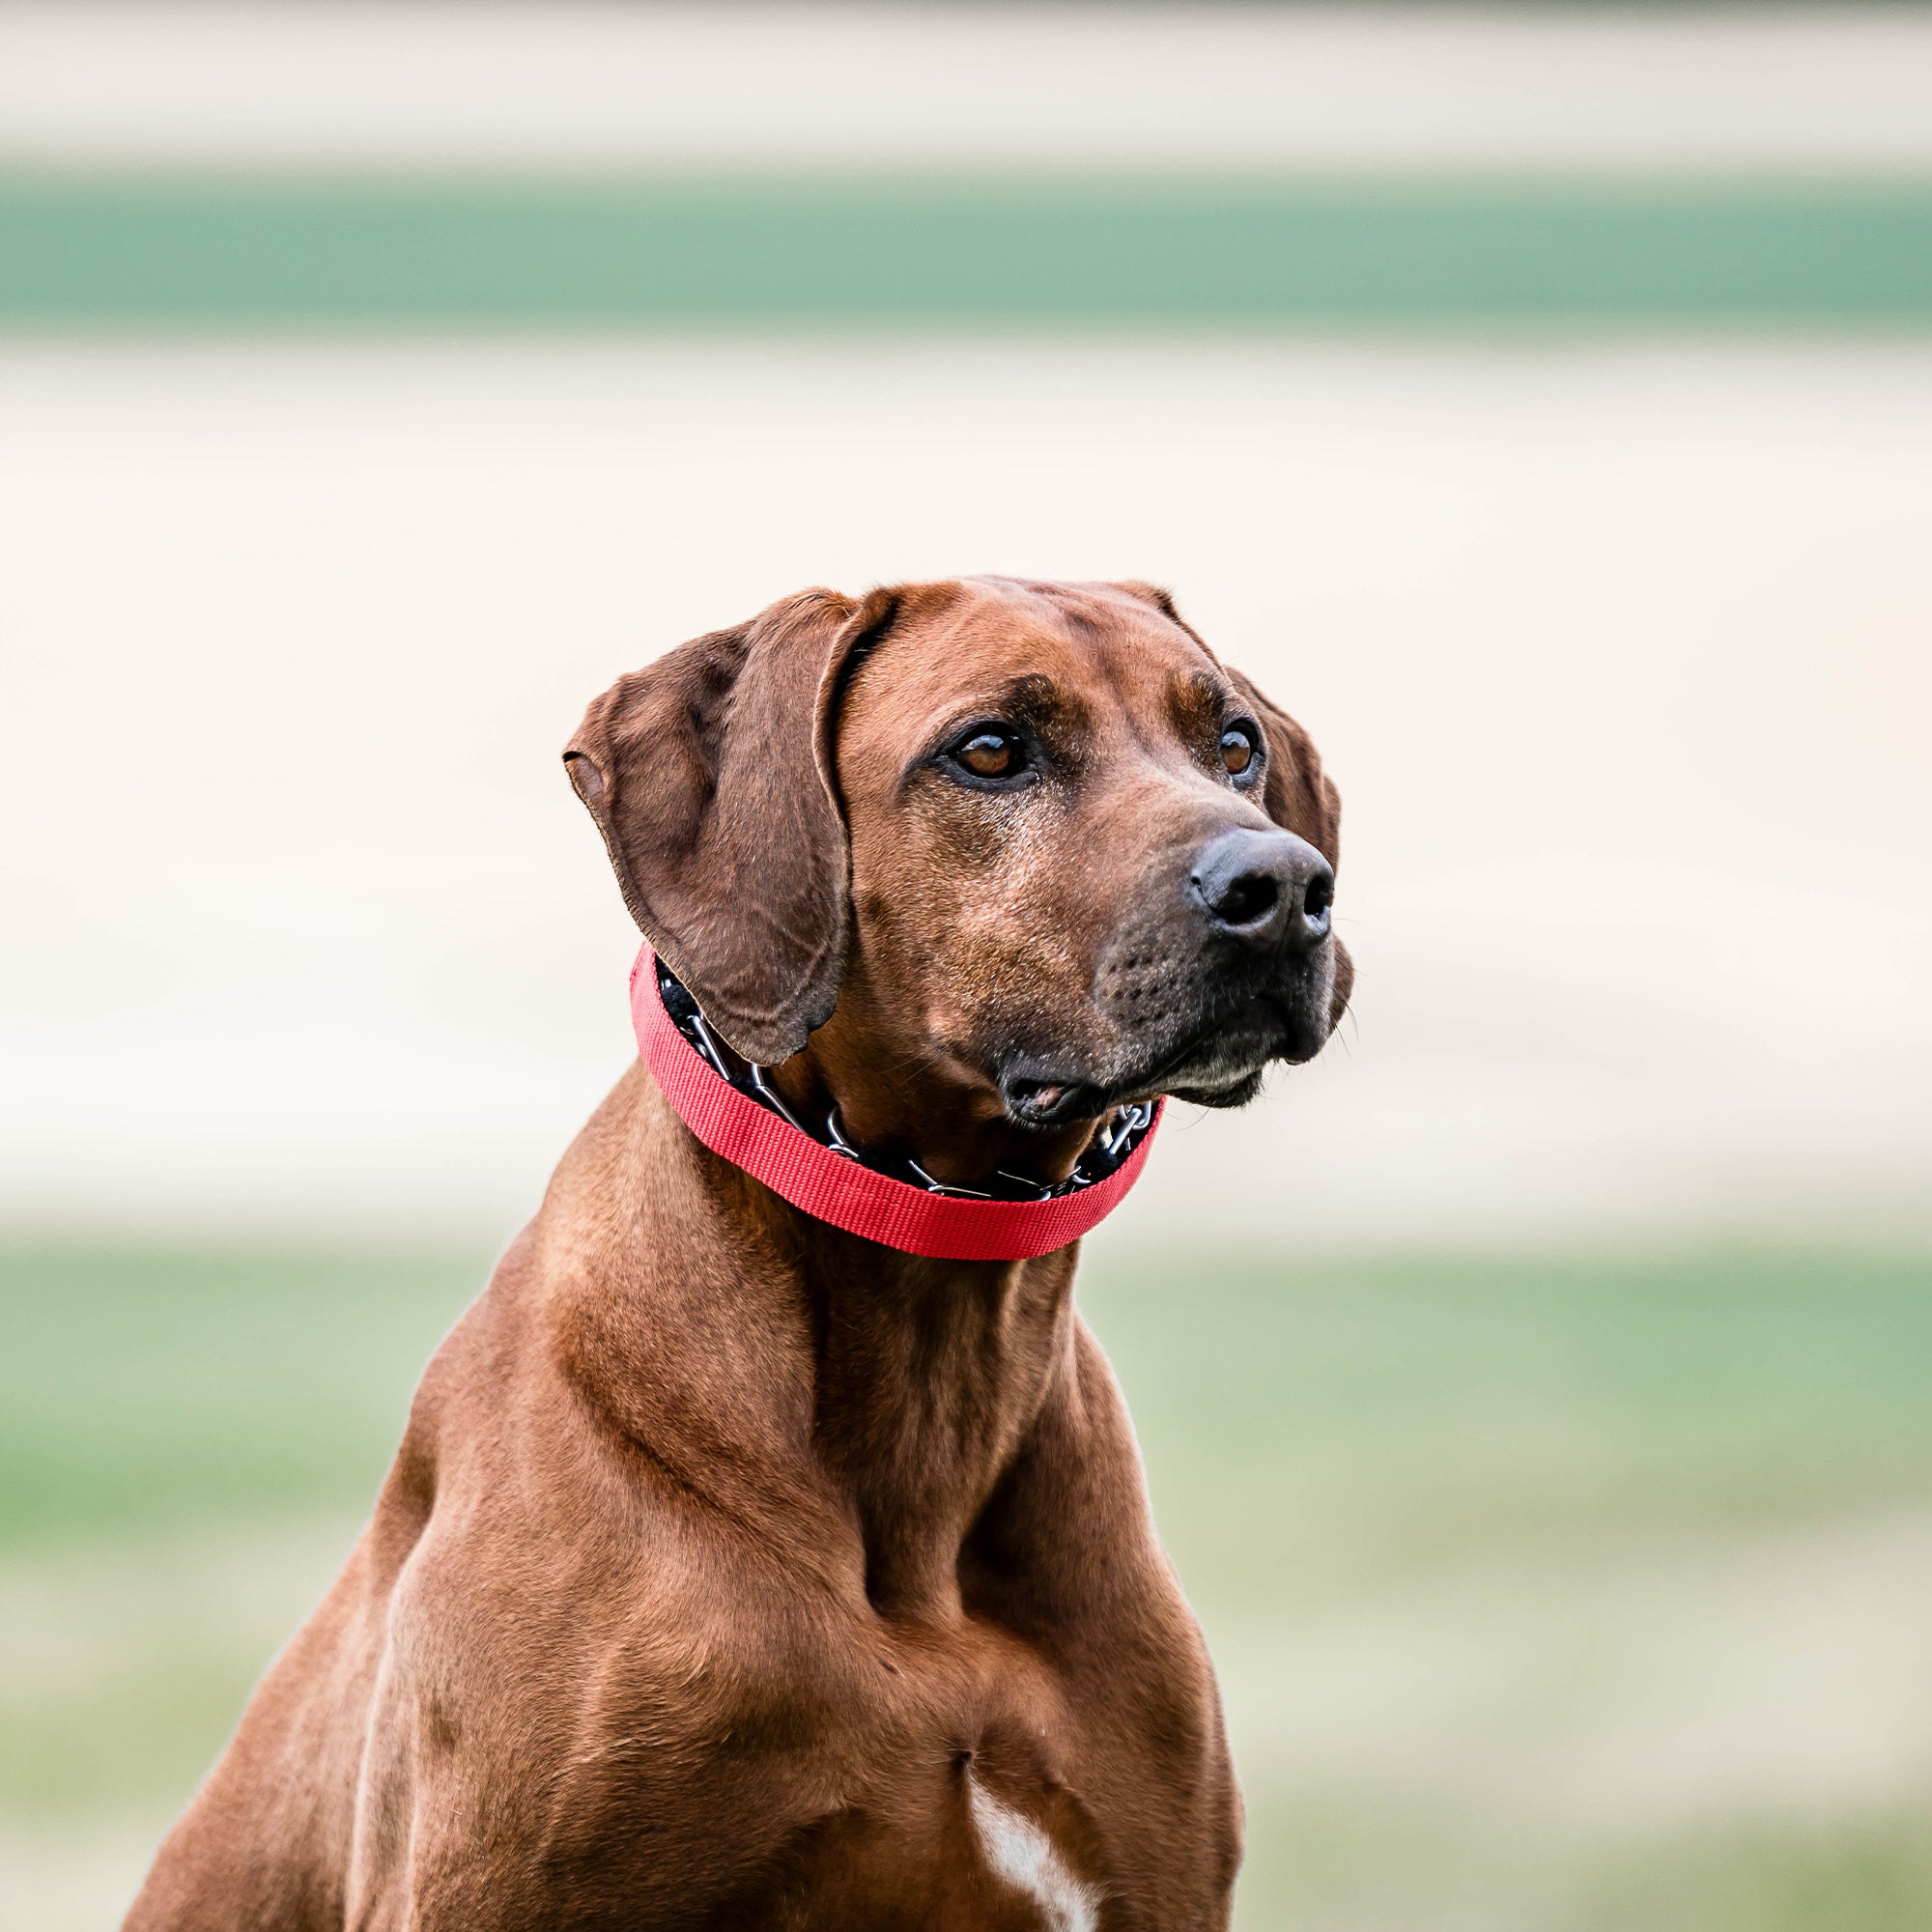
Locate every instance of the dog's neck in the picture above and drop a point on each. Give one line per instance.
(931, 1375)
(767, 1365)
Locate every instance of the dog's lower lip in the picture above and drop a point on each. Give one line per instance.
(1048, 1102)
(1264, 1044)
(1053, 1100)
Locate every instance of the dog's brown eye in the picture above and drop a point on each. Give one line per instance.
(1237, 749)
(990, 754)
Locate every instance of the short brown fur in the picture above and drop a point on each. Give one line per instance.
(723, 1548)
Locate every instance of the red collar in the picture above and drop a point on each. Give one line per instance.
(834, 1187)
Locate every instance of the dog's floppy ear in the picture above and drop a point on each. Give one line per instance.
(1297, 793)
(704, 773)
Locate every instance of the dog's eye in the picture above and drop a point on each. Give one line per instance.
(1237, 750)
(990, 754)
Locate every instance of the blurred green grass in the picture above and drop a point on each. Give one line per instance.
(1545, 1595)
(138, 1390)
(185, 251)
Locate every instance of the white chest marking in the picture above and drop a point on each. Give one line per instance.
(1019, 1852)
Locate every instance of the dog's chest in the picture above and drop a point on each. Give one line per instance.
(942, 1840)
(937, 1780)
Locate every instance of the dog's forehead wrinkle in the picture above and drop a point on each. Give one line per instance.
(1092, 604)
(1134, 698)
(1033, 698)
(895, 707)
(1044, 599)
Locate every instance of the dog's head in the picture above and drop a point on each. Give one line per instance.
(1011, 853)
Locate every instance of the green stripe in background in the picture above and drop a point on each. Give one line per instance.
(176, 254)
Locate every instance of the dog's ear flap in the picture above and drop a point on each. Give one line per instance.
(704, 773)
(1296, 793)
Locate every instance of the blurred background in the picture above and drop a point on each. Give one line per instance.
(1538, 401)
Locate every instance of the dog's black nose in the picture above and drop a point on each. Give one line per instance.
(1265, 889)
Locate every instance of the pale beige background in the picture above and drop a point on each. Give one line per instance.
(1618, 653)
(570, 84)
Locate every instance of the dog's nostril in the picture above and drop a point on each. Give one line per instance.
(1246, 899)
(1264, 890)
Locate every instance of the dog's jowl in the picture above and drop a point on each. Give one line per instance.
(768, 1546)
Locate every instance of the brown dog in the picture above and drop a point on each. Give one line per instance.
(736, 1571)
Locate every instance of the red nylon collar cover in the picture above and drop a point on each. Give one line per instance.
(833, 1188)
